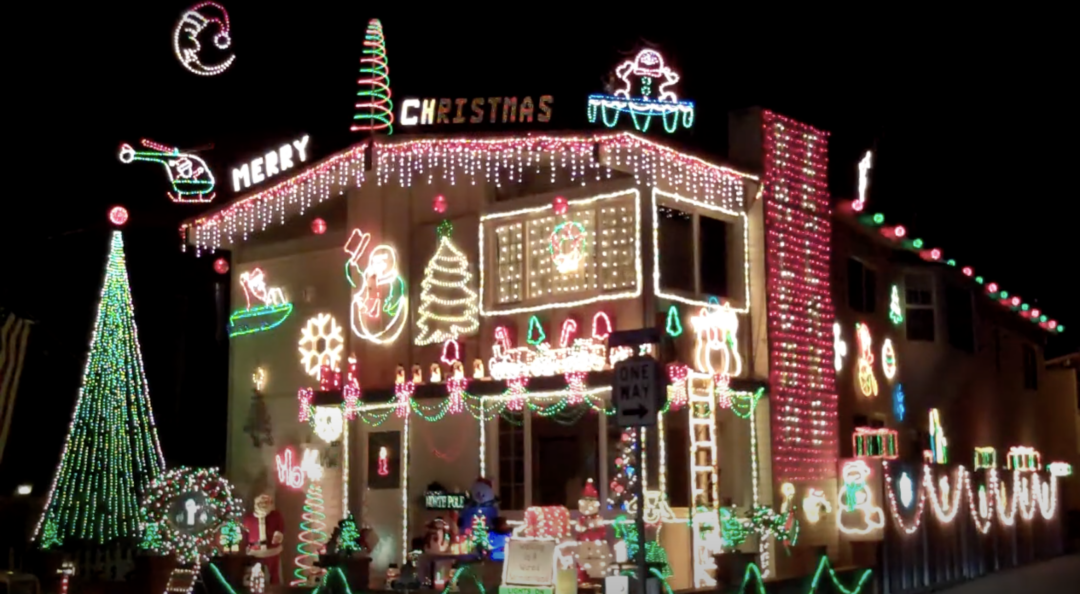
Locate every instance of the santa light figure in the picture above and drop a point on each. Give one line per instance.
(265, 530)
(593, 554)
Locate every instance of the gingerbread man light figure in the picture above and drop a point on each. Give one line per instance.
(643, 73)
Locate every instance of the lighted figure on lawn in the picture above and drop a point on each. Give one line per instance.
(482, 502)
(265, 530)
(645, 93)
(266, 306)
(191, 178)
(858, 513)
(208, 17)
(593, 554)
(380, 303)
(717, 329)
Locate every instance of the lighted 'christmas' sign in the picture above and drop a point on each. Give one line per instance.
(491, 110)
(643, 88)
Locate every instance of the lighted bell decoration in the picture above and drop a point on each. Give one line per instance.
(318, 226)
(221, 266)
(438, 204)
(118, 215)
(559, 205)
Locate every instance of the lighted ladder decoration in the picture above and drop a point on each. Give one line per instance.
(703, 455)
(182, 580)
(705, 487)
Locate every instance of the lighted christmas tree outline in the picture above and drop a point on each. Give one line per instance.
(447, 260)
(112, 429)
(374, 108)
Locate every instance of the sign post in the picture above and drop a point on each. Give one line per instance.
(637, 391)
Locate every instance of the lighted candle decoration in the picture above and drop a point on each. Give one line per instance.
(865, 375)
(384, 462)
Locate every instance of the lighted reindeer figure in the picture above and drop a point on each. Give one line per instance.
(191, 178)
(865, 375)
(717, 329)
(254, 284)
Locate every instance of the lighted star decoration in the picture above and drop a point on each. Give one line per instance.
(321, 343)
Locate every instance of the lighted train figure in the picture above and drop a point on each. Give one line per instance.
(191, 178)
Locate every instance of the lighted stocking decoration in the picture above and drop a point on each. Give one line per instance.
(457, 382)
(722, 385)
(265, 528)
(678, 374)
(593, 553)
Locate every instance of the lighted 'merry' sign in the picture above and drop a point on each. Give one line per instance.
(270, 164)
(478, 110)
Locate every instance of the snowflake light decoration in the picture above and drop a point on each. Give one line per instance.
(321, 343)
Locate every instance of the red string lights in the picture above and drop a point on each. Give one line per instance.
(798, 231)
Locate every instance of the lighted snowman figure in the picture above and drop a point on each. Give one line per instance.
(380, 305)
(858, 514)
(645, 76)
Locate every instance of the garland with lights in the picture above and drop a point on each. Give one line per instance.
(111, 454)
(219, 507)
(374, 108)
(457, 313)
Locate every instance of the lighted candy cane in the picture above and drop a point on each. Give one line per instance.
(403, 392)
(867, 381)
(456, 384)
(678, 374)
(351, 392)
(305, 396)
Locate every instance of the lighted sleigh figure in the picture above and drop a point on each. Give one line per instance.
(269, 310)
(191, 178)
(645, 94)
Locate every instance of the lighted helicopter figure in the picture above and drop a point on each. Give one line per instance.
(191, 178)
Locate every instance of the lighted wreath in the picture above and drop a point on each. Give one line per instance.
(567, 246)
(184, 511)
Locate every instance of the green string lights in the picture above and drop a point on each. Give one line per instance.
(112, 451)
(752, 571)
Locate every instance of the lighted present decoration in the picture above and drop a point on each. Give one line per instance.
(1025, 459)
(985, 457)
(875, 443)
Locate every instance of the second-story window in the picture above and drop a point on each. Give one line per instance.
(677, 247)
(713, 256)
(1031, 368)
(959, 318)
(862, 287)
(919, 302)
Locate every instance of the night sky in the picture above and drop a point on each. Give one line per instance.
(974, 152)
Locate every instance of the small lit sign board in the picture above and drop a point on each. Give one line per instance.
(490, 110)
(444, 500)
(272, 163)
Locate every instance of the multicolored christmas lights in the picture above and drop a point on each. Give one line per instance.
(207, 502)
(875, 443)
(190, 176)
(112, 452)
(800, 310)
(449, 306)
(470, 160)
(645, 93)
(374, 108)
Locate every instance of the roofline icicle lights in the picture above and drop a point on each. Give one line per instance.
(374, 106)
(480, 160)
(800, 309)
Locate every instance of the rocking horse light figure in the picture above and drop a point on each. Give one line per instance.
(717, 329)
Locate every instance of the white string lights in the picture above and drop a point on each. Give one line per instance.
(471, 161)
(446, 299)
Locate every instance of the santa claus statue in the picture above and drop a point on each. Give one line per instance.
(265, 533)
(593, 554)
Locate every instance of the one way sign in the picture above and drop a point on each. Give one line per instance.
(637, 392)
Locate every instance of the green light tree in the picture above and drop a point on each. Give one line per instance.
(112, 452)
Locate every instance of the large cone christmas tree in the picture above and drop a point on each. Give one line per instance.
(448, 305)
(112, 451)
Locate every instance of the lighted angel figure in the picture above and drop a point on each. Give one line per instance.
(865, 376)
(254, 284)
(717, 329)
(643, 73)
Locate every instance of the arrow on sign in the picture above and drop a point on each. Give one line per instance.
(638, 412)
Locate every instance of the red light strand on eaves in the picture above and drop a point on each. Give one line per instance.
(800, 309)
